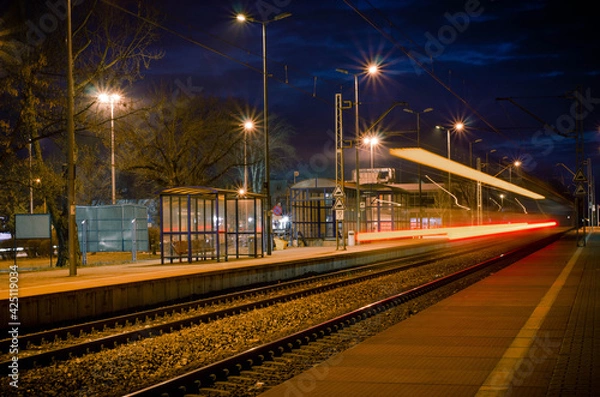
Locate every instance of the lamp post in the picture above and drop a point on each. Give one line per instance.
(30, 179)
(419, 165)
(515, 164)
(371, 69)
(266, 188)
(471, 143)
(478, 184)
(248, 126)
(457, 127)
(487, 160)
(510, 166)
(111, 99)
(371, 141)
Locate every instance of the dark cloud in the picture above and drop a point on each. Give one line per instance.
(473, 52)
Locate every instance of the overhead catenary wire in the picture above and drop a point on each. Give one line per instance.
(217, 52)
(417, 62)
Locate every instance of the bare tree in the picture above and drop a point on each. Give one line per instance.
(187, 141)
(111, 49)
(281, 153)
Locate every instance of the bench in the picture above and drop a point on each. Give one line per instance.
(200, 248)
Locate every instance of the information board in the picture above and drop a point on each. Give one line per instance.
(30, 226)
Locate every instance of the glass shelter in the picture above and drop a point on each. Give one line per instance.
(199, 223)
(384, 207)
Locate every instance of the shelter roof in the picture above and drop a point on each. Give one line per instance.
(202, 190)
(315, 183)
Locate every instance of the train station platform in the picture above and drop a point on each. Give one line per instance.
(54, 280)
(531, 329)
(52, 296)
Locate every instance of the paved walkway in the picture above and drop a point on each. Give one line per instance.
(532, 329)
(58, 279)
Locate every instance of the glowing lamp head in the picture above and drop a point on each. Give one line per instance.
(372, 69)
(241, 17)
(459, 126)
(248, 125)
(517, 163)
(372, 140)
(109, 98)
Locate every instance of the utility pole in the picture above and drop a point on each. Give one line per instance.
(72, 227)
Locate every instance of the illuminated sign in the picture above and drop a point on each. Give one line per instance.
(433, 160)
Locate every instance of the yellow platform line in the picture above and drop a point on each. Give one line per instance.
(500, 381)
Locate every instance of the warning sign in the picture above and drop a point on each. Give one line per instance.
(339, 204)
(338, 191)
(579, 177)
(580, 190)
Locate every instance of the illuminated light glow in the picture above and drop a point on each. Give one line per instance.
(372, 69)
(433, 160)
(249, 125)
(371, 140)
(454, 233)
(109, 98)
(240, 17)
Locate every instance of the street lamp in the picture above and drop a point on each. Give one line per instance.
(471, 143)
(372, 69)
(487, 160)
(371, 141)
(510, 166)
(111, 99)
(459, 126)
(419, 165)
(267, 188)
(478, 189)
(248, 127)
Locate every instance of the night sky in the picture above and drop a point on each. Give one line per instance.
(537, 52)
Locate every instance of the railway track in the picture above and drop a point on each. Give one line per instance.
(253, 370)
(81, 339)
(231, 329)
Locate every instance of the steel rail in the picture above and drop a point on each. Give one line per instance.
(192, 381)
(111, 341)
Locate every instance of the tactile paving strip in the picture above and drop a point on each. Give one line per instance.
(577, 371)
